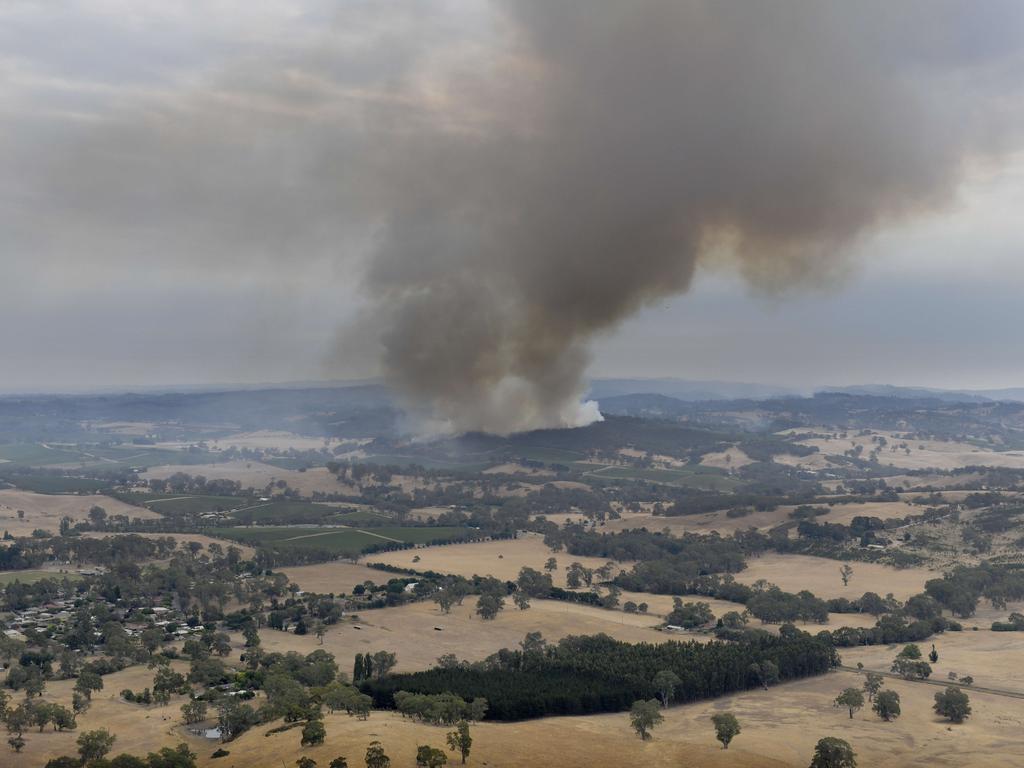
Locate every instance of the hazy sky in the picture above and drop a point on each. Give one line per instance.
(140, 247)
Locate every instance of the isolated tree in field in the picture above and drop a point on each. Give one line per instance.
(305, 762)
(644, 715)
(313, 733)
(933, 657)
(953, 704)
(851, 699)
(79, 702)
(320, 629)
(430, 757)
(665, 683)
(727, 727)
(87, 682)
(338, 762)
(488, 607)
(909, 665)
(551, 565)
(97, 515)
(887, 705)
(831, 752)
(445, 599)
(459, 740)
(873, 684)
(93, 745)
(846, 573)
(375, 756)
(967, 680)
(911, 651)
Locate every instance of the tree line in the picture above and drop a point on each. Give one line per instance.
(588, 674)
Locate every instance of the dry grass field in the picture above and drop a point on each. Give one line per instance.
(661, 605)
(730, 458)
(335, 577)
(780, 728)
(816, 461)
(44, 511)
(705, 523)
(991, 658)
(821, 576)
(409, 631)
(511, 468)
(844, 513)
(254, 474)
(924, 454)
(139, 729)
(501, 559)
(763, 521)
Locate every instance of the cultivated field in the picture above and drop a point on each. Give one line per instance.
(44, 511)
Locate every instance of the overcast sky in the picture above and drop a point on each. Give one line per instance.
(111, 279)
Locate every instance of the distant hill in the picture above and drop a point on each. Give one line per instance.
(910, 393)
(705, 391)
(690, 391)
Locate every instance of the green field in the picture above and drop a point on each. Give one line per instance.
(287, 513)
(343, 541)
(171, 505)
(548, 455)
(362, 517)
(31, 577)
(53, 484)
(99, 456)
(36, 454)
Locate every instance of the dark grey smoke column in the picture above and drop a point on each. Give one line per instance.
(658, 134)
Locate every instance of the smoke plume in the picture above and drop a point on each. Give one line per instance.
(651, 136)
(506, 182)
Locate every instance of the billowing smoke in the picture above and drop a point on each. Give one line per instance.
(506, 182)
(655, 135)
